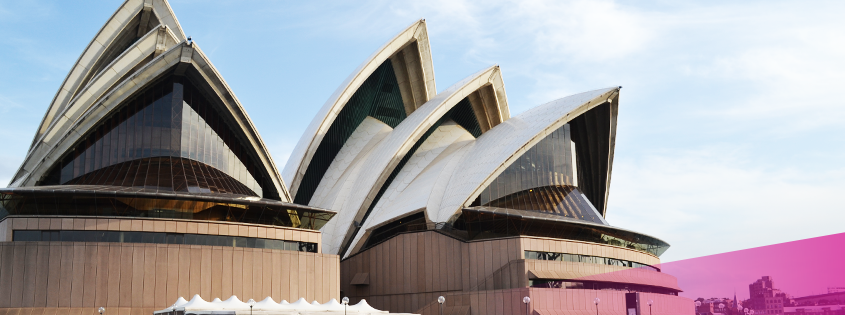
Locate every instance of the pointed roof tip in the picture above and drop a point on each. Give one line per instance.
(233, 298)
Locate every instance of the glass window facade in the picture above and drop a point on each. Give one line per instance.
(598, 285)
(378, 97)
(159, 238)
(586, 259)
(486, 222)
(161, 133)
(547, 163)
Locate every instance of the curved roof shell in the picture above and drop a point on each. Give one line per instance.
(388, 159)
(410, 57)
(497, 149)
(448, 176)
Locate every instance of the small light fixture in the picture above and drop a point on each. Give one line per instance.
(441, 299)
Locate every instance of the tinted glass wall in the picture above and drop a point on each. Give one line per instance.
(111, 203)
(548, 163)
(565, 201)
(170, 119)
(159, 238)
(586, 259)
(165, 173)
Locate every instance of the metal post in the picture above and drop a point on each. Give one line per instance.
(526, 300)
(441, 299)
(596, 301)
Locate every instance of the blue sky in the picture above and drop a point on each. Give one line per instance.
(730, 126)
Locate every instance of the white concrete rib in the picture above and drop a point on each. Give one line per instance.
(98, 45)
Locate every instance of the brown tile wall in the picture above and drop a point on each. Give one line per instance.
(410, 270)
(77, 278)
(124, 275)
(553, 302)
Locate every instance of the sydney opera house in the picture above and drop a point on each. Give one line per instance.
(147, 181)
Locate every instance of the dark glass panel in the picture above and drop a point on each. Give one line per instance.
(464, 116)
(27, 236)
(240, 242)
(389, 230)
(591, 134)
(158, 238)
(191, 239)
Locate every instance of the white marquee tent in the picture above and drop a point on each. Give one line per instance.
(268, 306)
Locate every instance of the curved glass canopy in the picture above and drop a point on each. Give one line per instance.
(565, 201)
(95, 200)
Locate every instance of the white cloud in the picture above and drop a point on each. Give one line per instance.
(712, 201)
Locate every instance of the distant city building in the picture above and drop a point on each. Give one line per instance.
(835, 289)
(815, 310)
(765, 299)
(837, 298)
(714, 306)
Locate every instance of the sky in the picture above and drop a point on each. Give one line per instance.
(730, 125)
